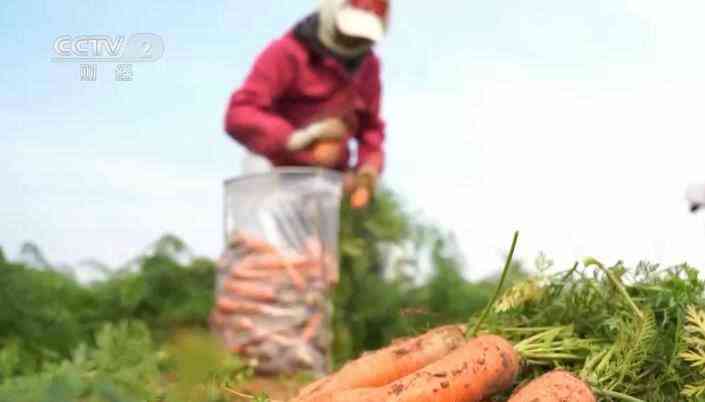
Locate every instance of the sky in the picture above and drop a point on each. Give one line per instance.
(578, 123)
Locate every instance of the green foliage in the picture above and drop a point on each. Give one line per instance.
(126, 366)
(121, 367)
(623, 330)
(202, 369)
(371, 311)
(163, 293)
(694, 352)
(48, 314)
(43, 312)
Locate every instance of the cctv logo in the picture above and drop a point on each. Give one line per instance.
(138, 48)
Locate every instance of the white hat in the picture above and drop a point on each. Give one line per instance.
(360, 18)
(364, 18)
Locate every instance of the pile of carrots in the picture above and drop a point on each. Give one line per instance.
(271, 304)
(442, 365)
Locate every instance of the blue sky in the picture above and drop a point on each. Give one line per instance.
(579, 123)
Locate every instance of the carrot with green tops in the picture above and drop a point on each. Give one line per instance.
(477, 370)
(556, 386)
(391, 363)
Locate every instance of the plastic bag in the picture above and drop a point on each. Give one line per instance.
(278, 267)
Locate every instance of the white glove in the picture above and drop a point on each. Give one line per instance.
(330, 129)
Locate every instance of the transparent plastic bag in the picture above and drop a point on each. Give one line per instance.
(278, 266)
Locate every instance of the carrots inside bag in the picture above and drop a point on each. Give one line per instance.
(271, 304)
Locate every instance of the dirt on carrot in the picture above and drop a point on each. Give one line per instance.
(479, 369)
(391, 363)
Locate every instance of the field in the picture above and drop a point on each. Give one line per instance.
(140, 334)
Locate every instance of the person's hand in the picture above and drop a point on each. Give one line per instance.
(324, 139)
(326, 129)
(361, 185)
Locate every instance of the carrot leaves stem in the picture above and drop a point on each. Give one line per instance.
(617, 284)
(500, 285)
(616, 395)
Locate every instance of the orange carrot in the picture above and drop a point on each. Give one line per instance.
(256, 274)
(245, 323)
(312, 327)
(295, 277)
(481, 368)
(251, 290)
(360, 198)
(327, 151)
(268, 262)
(391, 363)
(556, 386)
(312, 270)
(228, 306)
(259, 261)
(352, 395)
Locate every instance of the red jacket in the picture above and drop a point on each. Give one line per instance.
(294, 83)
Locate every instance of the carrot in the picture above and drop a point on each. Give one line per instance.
(257, 274)
(313, 270)
(391, 363)
(555, 386)
(251, 243)
(246, 323)
(251, 290)
(327, 151)
(268, 262)
(295, 277)
(229, 306)
(258, 335)
(352, 395)
(312, 327)
(360, 198)
(481, 368)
